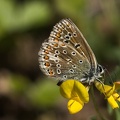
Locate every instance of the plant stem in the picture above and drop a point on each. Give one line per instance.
(95, 104)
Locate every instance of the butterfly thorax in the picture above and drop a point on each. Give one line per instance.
(91, 76)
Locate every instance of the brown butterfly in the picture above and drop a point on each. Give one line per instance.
(67, 55)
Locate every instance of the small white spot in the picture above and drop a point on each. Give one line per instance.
(66, 41)
(74, 34)
(76, 78)
(80, 61)
(65, 76)
(71, 70)
(64, 51)
(74, 66)
(55, 55)
(77, 45)
(73, 53)
(67, 37)
(58, 71)
(82, 53)
(69, 60)
(58, 65)
(57, 52)
(56, 61)
(69, 34)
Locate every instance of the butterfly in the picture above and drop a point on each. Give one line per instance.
(67, 55)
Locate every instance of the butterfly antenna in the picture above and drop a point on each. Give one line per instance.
(111, 80)
(100, 82)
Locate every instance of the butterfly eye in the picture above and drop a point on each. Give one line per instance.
(100, 69)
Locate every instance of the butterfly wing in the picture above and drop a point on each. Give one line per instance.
(85, 47)
(66, 54)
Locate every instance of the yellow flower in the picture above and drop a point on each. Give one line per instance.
(110, 92)
(77, 94)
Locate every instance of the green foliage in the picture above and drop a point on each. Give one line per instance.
(20, 17)
(115, 113)
(43, 94)
(70, 8)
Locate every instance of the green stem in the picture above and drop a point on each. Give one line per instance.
(95, 104)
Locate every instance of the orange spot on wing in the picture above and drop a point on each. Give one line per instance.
(51, 72)
(55, 45)
(56, 40)
(46, 51)
(62, 44)
(49, 47)
(46, 57)
(47, 64)
(58, 35)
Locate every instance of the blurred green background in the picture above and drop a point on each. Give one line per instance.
(25, 93)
